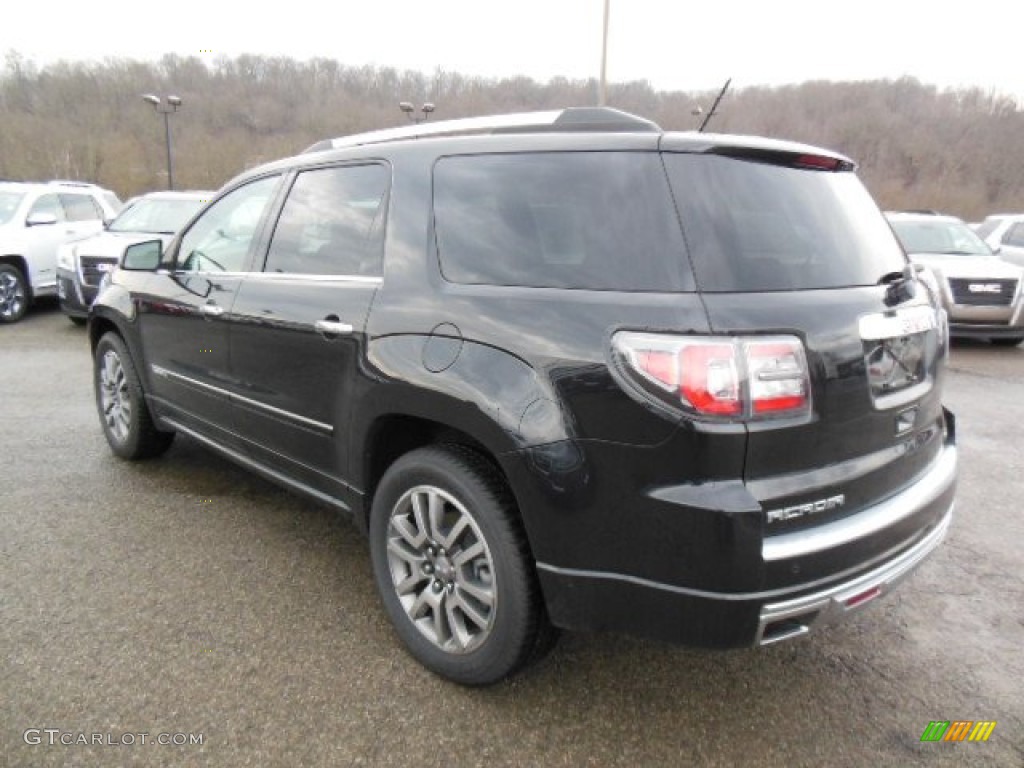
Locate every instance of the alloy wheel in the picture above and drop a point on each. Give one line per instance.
(441, 569)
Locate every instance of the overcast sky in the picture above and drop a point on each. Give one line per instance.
(673, 44)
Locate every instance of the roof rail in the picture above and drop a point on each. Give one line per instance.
(561, 120)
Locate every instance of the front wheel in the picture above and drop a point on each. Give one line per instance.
(124, 415)
(453, 568)
(14, 294)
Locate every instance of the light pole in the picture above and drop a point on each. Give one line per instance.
(602, 92)
(409, 109)
(165, 107)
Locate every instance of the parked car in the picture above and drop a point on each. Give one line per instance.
(1004, 232)
(35, 220)
(82, 264)
(983, 294)
(489, 342)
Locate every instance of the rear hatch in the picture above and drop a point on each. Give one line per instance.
(789, 244)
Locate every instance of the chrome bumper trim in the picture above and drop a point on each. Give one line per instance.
(831, 604)
(935, 482)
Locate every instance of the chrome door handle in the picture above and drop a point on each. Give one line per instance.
(332, 328)
(211, 310)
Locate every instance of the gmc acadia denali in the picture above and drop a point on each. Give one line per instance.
(564, 369)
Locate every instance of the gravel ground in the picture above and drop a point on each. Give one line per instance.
(184, 596)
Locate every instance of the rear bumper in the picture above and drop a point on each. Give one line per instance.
(845, 565)
(794, 618)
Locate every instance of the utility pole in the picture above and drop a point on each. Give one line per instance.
(602, 93)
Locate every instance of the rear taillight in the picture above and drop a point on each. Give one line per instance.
(750, 377)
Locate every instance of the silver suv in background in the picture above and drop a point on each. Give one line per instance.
(82, 264)
(35, 221)
(981, 291)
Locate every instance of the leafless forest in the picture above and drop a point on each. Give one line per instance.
(960, 151)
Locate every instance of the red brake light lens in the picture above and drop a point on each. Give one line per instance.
(732, 378)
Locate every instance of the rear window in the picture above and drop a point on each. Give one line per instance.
(588, 220)
(754, 226)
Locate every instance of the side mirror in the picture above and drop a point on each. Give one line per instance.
(143, 257)
(41, 219)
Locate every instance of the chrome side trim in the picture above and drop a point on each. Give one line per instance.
(280, 276)
(830, 605)
(318, 425)
(288, 277)
(257, 467)
(936, 481)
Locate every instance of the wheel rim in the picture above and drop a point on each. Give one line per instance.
(115, 399)
(441, 569)
(12, 295)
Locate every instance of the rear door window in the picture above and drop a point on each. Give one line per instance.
(588, 220)
(760, 226)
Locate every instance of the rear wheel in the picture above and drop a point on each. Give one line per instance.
(453, 568)
(1008, 341)
(124, 415)
(14, 294)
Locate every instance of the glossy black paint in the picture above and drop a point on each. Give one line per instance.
(666, 512)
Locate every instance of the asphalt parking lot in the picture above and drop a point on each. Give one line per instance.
(184, 597)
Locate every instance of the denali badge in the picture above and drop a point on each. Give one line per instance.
(811, 508)
(984, 288)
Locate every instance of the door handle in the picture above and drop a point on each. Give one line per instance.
(211, 310)
(334, 327)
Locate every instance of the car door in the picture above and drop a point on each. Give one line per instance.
(182, 312)
(297, 326)
(43, 240)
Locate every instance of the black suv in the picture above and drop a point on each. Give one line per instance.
(564, 369)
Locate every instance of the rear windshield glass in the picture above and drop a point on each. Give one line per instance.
(753, 226)
(160, 216)
(590, 220)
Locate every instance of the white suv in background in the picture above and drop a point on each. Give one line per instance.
(1004, 232)
(35, 220)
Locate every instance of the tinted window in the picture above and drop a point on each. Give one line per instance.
(219, 240)
(754, 226)
(1014, 235)
(332, 223)
(80, 208)
(593, 220)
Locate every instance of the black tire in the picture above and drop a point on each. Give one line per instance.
(1011, 341)
(484, 643)
(15, 295)
(124, 415)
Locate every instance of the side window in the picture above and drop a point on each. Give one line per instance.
(1015, 235)
(589, 220)
(80, 208)
(47, 204)
(332, 223)
(219, 240)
